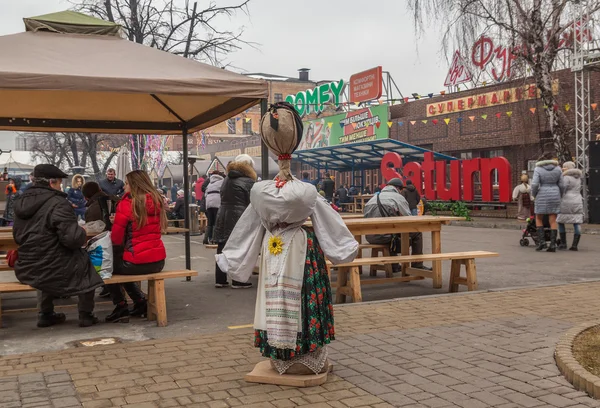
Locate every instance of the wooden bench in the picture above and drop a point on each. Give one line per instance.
(157, 303)
(376, 251)
(348, 207)
(176, 223)
(349, 282)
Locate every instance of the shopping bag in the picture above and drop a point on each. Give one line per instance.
(100, 251)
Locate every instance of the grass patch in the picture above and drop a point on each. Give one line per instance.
(586, 350)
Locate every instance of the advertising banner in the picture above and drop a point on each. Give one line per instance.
(366, 85)
(361, 125)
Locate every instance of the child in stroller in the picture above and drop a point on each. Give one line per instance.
(530, 231)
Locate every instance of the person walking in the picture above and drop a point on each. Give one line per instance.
(111, 185)
(412, 197)
(138, 249)
(571, 205)
(198, 189)
(9, 210)
(522, 195)
(75, 196)
(174, 191)
(235, 197)
(212, 196)
(547, 189)
(391, 203)
(328, 186)
(51, 255)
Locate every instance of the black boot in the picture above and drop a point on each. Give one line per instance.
(50, 319)
(575, 242)
(208, 236)
(140, 309)
(563, 241)
(552, 247)
(541, 239)
(120, 314)
(87, 319)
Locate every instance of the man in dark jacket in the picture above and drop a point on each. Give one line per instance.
(111, 185)
(235, 197)
(51, 255)
(342, 195)
(412, 196)
(328, 186)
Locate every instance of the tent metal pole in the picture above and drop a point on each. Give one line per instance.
(264, 151)
(186, 200)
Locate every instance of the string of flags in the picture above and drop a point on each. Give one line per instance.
(472, 118)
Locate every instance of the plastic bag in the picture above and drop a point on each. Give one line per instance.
(94, 227)
(100, 251)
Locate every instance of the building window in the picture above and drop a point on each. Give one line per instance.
(466, 155)
(247, 127)
(278, 97)
(231, 126)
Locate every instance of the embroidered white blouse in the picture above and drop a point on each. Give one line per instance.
(281, 212)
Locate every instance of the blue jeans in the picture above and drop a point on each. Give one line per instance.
(414, 211)
(562, 230)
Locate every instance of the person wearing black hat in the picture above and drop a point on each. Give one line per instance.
(391, 203)
(51, 257)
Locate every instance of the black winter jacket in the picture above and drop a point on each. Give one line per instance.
(235, 197)
(411, 195)
(51, 254)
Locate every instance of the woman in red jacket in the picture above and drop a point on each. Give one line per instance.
(138, 224)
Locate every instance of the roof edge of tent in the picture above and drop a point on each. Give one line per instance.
(72, 22)
(203, 121)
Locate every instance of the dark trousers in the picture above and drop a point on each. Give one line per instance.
(46, 302)
(416, 245)
(126, 268)
(220, 276)
(211, 220)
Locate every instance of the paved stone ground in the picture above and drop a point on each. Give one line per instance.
(471, 350)
(196, 307)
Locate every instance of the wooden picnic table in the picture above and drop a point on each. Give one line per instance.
(404, 226)
(360, 201)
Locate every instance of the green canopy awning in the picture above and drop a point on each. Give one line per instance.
(71, 22)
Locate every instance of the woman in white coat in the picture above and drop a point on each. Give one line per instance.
(571, 205)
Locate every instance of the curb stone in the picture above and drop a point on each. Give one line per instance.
(581, 379)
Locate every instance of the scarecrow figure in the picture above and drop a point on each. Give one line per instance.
(293, 319)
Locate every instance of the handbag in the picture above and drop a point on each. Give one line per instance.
(395, 244)
(11, 257)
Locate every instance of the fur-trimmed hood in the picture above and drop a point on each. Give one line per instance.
(544, 163)
(240, 169)
(75, 178)
(573, 173)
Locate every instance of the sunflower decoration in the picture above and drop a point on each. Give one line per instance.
(275, 245)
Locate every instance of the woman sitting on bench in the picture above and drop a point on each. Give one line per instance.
(138, 223)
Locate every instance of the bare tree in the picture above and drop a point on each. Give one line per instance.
(533, 32)
(175, 26)
(75, 149)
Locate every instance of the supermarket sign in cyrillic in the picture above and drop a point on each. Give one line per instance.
(316, 100)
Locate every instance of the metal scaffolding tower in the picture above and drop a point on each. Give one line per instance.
(580, 67)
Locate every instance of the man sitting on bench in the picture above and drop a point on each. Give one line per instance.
(390, 203)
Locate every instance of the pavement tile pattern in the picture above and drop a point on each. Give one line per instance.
(473, 350)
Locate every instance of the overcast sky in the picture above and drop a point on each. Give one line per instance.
(335, 38)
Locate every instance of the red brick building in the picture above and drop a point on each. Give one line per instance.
(504, 129)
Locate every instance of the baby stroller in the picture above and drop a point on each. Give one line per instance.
(530, 231)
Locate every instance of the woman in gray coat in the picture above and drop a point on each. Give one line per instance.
(571, 206)
(547, 188)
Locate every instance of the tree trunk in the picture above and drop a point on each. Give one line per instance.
(556, 119)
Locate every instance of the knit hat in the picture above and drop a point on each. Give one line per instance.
(281, 129)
